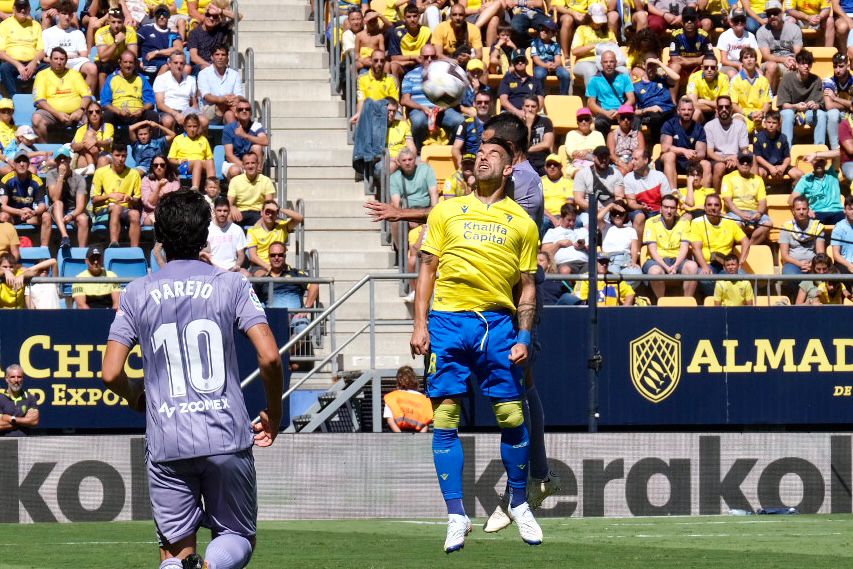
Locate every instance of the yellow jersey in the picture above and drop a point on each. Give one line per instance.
(398, 132)
(482, 251)
(260, 237)
(107, 181)
(184, 8)
(587, 35)
(446, 37)
(699, 195)
(697, 85)
(744, 192)
(21, 41)
(808, 7)
(104, 38)
(7, 133)
(733, 293)
(455, 187)
(751, 95)
(410, 46)
(65, 94)
(609, 294)
(94, 289)
(370, 87)
(7, 6)
(557, 193)
(11, 298)
(579, 6)
(185, 148)
(106, 132)
(720, 238)
(668, 240)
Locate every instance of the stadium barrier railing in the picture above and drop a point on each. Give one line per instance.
(371, 378)
(349, 94)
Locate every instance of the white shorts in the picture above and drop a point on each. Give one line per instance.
(76, 63)
(227, 166)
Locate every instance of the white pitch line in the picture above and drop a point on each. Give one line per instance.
(84, 543)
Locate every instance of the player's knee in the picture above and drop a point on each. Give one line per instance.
(446, 414)
(509, 414)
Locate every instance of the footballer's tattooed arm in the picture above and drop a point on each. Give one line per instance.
(525, 314)
(419, 343)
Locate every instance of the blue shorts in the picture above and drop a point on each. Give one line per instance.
(218, 492)
(474, 344)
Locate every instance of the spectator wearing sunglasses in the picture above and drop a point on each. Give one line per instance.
(580, 143)
(689, 45)
(779, 41)
(204, 39)
(725, 138)
(274, 226)
(241, 137)
(704, 86)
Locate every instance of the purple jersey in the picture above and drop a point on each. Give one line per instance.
(183, 318)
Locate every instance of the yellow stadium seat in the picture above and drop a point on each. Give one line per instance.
(799, 151)
(655, 152)
(677, 301)
(441, 160)
(822, 66)
(563, 110)
(760, 261)
(779, 212)
(709, 301)
(772, 300)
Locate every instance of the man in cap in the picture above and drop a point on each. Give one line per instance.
(22, 197)
(517, 84)
(779, 41)
(745, 198)
(95, 295)
(689, 45)
(155, 43)
(23, 48)
(19, 410)
(61, 95)
(732, 41)
(67, 191)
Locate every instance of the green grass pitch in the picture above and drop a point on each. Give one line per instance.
(723, 542)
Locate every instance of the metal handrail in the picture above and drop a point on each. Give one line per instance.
(281, 175)
(299, 235)
(350, 86)
(335, 50)
(266, 116)
(249, 74)
(235, 7)
(319, 23)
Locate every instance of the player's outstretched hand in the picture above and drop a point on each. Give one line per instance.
(265, 432)
(379, 211)
(518, 354)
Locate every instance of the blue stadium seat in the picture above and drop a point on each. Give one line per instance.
(218, 159)
(32, 255)
(23, 108)
(130, 162)
(126, 261)
(48, 147)
(71, 262)
(152, 260)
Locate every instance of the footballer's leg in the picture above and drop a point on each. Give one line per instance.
(449, 462)
(231, 509)
(175, 493)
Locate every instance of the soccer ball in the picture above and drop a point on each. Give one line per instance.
(444, 83)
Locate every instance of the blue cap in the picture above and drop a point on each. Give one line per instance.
(62, 151)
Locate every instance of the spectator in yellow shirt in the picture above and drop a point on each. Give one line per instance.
(813, 15)
(117, 196)
(274, 226)
(376, 84)
(746, 199)
(191, 154)
(452, 34)
(21, 48)
(61, 95)
(733, 293)
(399, 134)
(112, 40)
(248, 191)
(713, 236)
(557, 190)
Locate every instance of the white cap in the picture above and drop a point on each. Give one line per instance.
(598, 13)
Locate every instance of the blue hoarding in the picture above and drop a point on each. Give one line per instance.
(699, 366)
(61, 352)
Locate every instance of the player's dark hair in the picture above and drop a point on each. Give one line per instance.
(181, 222)
(509, 127)
(221, 201)
(731, 257)
(407, 378)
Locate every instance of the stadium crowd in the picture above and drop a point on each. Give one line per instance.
(108, 107)
(721, 133)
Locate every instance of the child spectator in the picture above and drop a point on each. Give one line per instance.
(406, 408)
(211, 191)
(733, 293)
(694, 201)
(548, 58)
(191, 154)
(42, 296)
(500, 52)
(610, 293)
(773, 151)
(822, 292)
(144, 146)
(93, 141)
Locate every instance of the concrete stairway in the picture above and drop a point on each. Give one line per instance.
(310, 123)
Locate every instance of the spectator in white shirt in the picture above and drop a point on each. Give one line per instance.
(177, 95)
(226, 241)
(566, 244)
(218, 89)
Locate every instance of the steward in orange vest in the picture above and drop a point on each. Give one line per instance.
(407, 409)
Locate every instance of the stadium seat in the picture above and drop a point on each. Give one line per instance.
(23, 109)
(822, 66)
(32, 255)
(563, 110)
(709, 301)
(779, 212)
(218, 159)
(760, 261)
(71, 262)
(126, 261)
(441, 160)
(670, 301)
(799, 151)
